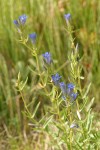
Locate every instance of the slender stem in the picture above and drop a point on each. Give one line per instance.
(24, 101)
(70, 122)
(38, 68)
(62, 66)
(70, 118)
(27, 46)
(76, 68)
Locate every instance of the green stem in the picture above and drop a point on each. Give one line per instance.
(70, 122)
(24, 101)
(38, 68)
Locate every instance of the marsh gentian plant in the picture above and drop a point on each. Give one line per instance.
(66, 124)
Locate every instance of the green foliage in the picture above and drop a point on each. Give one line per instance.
(67, 122)
(37, 102)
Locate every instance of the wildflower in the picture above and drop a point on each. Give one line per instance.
(70, 88)
(63, 87)
(47, 57)
(16, 23)
(68, 91)
(22, 19)
(56, 78)
(74, 125)
(32, 36)
(73, 96)
(67, 16)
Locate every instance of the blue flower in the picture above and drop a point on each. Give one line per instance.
(73, 96)
(56, 78)
(67, 16)
(22, 19)
(70, 88)
(16, 23)
(63, 88)
(68, 91)
(32, 36)
(47, 57)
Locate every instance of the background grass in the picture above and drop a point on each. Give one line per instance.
(46, 19)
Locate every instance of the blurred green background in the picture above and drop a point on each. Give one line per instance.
(46, 18)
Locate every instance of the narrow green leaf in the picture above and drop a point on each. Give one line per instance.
(35, 110)
(22, 85)
(48, 121)
(88, 88)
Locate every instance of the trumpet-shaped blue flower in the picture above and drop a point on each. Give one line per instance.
(16, 23)
(32, 36)
(70, 86)
(56, 78)
(63, 88)
(47, 57)
(68, 91)
(22, 19)
(67, 16)
(73, 96)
